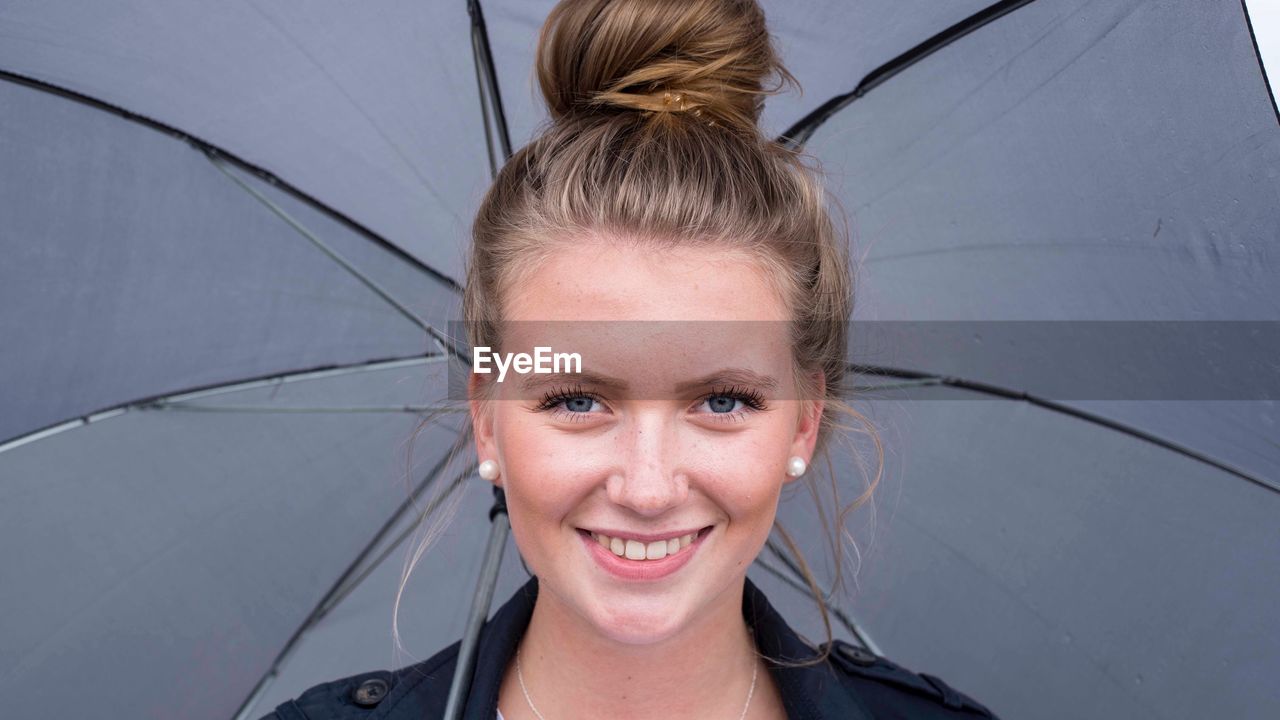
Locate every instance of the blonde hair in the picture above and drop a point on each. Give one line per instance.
(654, 135)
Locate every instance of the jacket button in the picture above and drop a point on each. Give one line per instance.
(370, 692)
(857, 655)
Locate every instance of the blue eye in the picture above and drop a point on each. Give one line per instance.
(569, 403)
(581, 403)
(722, 403)
(733, 403)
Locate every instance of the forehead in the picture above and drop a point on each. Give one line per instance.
(654, 319)
(602, 278)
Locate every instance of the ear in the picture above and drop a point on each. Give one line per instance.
(482, 420)
(809, 422)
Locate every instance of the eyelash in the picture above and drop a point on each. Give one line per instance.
(751, 398)
(552, 400)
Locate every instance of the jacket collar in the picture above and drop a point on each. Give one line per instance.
(808, 693)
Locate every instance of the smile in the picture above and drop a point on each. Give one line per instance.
(639, 550)
(644, 558)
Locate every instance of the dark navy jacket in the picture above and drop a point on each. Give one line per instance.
(853, 685)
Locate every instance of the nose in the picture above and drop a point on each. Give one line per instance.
(646, 480)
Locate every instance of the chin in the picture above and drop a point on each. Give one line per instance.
(617, 614)
(639, 628)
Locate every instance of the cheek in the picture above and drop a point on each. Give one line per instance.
(546, 473)
(748, 492)
(743, 473)
(746, 489)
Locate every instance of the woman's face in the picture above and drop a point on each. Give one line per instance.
(681, 423)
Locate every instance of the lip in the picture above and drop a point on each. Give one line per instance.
(644, 537)
(641, 570)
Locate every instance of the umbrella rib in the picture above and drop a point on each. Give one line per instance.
(799, 133)
(343, 585)
(790, 562)
(1257, 53)
(267, 409)
(333, 255)
(486, 69)
(794, 580)
(1009, 394)
(484, 108)
(219, 389)
(258, 171)
(499, 523)
(852, 627)
(373, 564)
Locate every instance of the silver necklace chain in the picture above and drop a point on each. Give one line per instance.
(755, 669)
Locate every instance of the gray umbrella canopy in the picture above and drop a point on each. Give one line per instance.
(263, 207)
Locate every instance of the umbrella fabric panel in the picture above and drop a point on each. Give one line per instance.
(373, 110)
(1076, 161)
(1239, 434)
(184, 548)
(1073, 160)
(1039, 562)
(1197, 385)
(828, 45)
(134, 267)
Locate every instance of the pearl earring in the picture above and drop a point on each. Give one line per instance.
(796, 466)
(488, 470)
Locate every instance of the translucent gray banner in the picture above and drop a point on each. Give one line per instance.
(1051, 360)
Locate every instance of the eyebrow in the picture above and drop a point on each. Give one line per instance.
(725, 376)
(731, 376)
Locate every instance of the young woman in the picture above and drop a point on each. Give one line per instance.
(692, 265)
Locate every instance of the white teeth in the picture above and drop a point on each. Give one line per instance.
(655, 550)
(636, 550)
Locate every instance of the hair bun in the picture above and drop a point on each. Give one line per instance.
(704, 59)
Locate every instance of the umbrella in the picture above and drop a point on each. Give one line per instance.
(233, 234)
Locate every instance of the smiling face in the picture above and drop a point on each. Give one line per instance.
(681, 424)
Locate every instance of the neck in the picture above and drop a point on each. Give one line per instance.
(572, 672)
